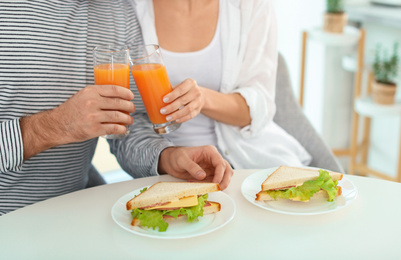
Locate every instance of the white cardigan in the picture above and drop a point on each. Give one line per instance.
(248, 36)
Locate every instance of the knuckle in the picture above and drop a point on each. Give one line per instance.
(116, 115)
(114, 89)
(91, 117)
(117, 102)
(211, 148)
(191, 81)
(198, 94)
(88, 103)
(193, 114)
(189, 109)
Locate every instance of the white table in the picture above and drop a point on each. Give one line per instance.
(79, 226)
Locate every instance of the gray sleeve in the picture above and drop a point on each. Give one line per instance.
(11, 146)
(138, 153)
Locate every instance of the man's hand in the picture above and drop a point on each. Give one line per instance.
(202, 163)
(93, 111)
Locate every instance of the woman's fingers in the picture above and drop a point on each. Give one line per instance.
(186, 102)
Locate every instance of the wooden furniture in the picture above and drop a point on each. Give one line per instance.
(383, 24)
(364, 107)
(363, 111)
(334, 95)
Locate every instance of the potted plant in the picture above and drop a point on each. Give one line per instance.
(335, 17)
(385, 70)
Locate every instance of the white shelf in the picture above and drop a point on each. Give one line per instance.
(365, 107)
(349, 37)
(380, 15)
(349, 63)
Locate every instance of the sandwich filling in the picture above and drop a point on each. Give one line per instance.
(153, 218)
(308, 189)
(180, 203)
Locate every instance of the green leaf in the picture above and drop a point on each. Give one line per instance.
(150, 218)
(385, 68)
(335, 6)
(309, 188)
(154, 218)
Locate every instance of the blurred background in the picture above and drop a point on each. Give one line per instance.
(329, 71)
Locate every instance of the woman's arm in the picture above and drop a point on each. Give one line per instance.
(229, 109)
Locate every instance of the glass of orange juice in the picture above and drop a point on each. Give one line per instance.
(152, 81)
(111, 67)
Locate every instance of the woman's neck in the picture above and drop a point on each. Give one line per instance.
(185, 25)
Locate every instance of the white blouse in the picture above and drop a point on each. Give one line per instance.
(249, 67)
(204, 66)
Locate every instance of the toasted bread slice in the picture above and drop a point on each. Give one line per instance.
(209, 208)
(163, 192)
(286, 176)
(321, 194)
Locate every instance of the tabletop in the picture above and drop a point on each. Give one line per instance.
(79, 225)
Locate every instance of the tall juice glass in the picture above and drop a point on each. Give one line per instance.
(111, 67)
(151, 79)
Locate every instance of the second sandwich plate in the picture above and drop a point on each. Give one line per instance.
(177, 229)
(252, 185)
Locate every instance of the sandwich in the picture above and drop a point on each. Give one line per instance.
(166, 201)
(300, 184)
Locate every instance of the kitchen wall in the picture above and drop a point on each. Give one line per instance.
(293, 17)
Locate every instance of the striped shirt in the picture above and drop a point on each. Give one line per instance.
(46, 57)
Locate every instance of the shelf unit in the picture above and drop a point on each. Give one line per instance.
(363, 106)
(350, 37)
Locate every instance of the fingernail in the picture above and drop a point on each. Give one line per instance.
(199, 174)
(162, 111)
(168, 118)
(166, 99)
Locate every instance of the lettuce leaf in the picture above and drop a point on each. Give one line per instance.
(309, 188)
(154, 218)
(150, 218)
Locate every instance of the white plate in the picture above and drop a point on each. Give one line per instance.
(252, 185)
(179, 228)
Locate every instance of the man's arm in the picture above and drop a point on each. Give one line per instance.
(138, 153)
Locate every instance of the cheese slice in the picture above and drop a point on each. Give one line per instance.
(181, 203)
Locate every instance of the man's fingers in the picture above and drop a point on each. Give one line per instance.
(219, 173)
(117, 104)
(116, 117)
(228, 173)
(113, 129)
(194, 170)
(114, 91)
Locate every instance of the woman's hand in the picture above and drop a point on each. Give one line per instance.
(184, 102)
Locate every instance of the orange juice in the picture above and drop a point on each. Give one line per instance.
(153, 84)
(112, 74)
